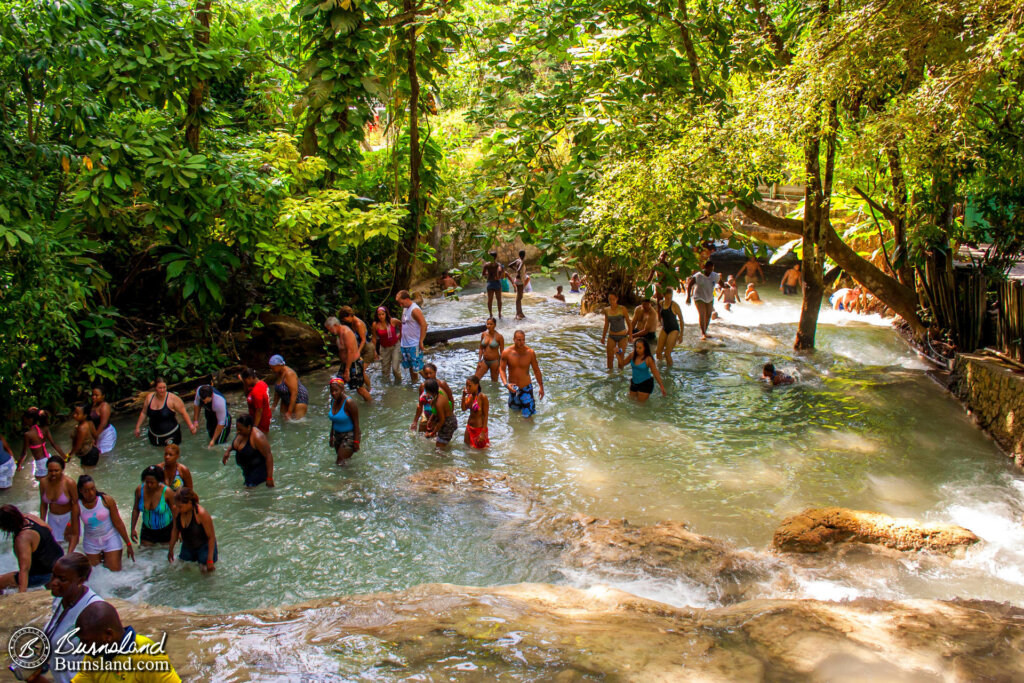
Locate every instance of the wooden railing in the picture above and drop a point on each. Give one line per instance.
(1010, 326)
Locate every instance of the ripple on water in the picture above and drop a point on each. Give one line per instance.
(864, 428)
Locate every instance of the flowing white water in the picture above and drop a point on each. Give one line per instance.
(864, 428)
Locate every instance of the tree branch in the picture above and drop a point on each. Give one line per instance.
(889, 214)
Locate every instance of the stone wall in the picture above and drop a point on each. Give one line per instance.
(993, 392)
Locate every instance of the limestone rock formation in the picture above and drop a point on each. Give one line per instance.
(544, 632)
(817, 529)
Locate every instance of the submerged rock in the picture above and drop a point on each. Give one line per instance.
(817, 529)
(530, 632)
(666, 549)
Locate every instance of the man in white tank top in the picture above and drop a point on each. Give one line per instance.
(414, 331)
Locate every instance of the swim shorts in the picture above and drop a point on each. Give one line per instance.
(494, 285)
(645, 387)
(164, 439)
(355, 375)
(412, 358)
(91, 458)
(346, 440)
(447, 431)
(156, 535)
(787, 289)
(200, 554)
(522, 400)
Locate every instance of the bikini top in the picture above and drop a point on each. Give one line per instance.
(493, 343)
(62, 499)
(41, 438)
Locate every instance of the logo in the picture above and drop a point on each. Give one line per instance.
(29, 648)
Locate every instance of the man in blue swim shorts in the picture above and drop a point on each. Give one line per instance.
(414, 331)
(514, 372)
(493, 272)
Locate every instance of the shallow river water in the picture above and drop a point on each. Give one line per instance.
(864, 428)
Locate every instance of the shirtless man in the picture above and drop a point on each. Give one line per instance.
(493, 273)
(645, 324)
(751, 271)
(351, 369)
(752, 297)
(791, 281)
(514, 371)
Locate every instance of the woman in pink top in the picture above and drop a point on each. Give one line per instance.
(387, 332)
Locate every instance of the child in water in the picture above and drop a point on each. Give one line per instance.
(558, 294)
(769, 373)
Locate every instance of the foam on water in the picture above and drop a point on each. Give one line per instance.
(863, 428)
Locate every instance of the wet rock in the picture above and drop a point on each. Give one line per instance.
(666, 549)
(545, 632)
(302, 346)
(817, 529)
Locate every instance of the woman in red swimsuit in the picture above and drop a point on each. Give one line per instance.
(478, 405)
(387, 332)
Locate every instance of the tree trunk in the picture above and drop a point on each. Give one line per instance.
(201, 37)
(811, 270)
(691, 53)
(899, 222)
(407, 245)
(903, 300)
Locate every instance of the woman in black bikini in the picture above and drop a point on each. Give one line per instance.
(252, 454)
(160, 407)
(489, 355)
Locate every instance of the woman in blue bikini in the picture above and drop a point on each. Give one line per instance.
(489, 355)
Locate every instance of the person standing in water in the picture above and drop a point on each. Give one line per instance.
(442, 423)
(575, 283)
(104, 536)
(645, 323)
(493, 272)
(257, 397)
(215, 410)
(478, 405)
(176, 474)
(344, 417)
(751, 271)
(671, 326)
(426, 409)
(34, 549)
(644, 372)
(8, 466)
(154, 503)
(728, 293)
(193, 526)
(58, 503)
(518, 270)
(252, 454)
(617, 325)
(160, 406)
(356, 324)
(514, 371)
(414, 331)
(387, 332)
(352, 368)
(492, 343)
(790, 284)
(288, 391)
(558, 296)
(83, 437)
(703, 282)
(99, 414)
(37, 434)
